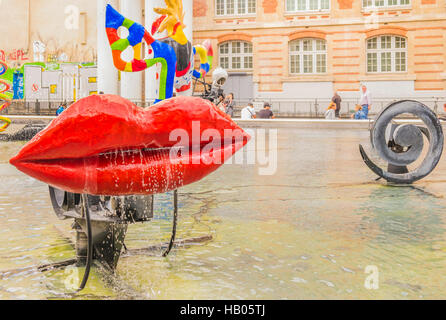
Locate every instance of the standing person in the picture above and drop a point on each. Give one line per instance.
(220, 101)
(337, 100)
(365, 102)
(248, 112)
(266, 112)
(229, 105)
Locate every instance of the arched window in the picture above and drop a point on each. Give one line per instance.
(235, 7)
(308, 56)
(236, 55)
(387, 54)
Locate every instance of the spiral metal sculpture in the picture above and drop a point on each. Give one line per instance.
(404, 144)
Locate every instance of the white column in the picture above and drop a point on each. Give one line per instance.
(188, 6)
(131, 82)
(150, 17)
(107, 73)
(188, 31)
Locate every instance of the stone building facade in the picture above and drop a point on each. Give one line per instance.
(304, 49)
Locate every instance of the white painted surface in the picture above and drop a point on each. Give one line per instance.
(301, 90)
(107, 73)
(86, 87)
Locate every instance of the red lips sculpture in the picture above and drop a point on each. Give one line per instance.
(106, 145)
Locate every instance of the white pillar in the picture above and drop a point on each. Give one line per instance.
(188, 31)
(131, 82)
(188, 6)
(107, 73)
(150, 17)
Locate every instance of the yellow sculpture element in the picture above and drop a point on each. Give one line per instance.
(173, 23)
(4, 87)
(6, 123)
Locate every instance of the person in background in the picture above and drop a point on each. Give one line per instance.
(219, 102)
(248, 112)
(365, 102)
(337, 100)
(330, 114)
(229, 104)
(266, 112)
(61, 109)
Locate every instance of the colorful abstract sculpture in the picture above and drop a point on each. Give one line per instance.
(174, 53)
(162, 52)
(206, 55)
(5, 86)
(106, 145)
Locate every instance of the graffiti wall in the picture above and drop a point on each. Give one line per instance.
(51, 81)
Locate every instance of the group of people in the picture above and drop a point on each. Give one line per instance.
(361, 110)
(227, 104)
(250, 113)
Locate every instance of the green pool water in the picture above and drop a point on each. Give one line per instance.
(307, 232)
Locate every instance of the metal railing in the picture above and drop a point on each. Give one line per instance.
(317, 107)
(302, 108)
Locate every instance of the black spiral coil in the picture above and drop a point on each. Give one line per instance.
(404, 144)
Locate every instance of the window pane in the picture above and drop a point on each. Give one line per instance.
(295, 46)
(241, 6)
(291, 5)
(248, 47)
(251, 6)
(236, 47)
(400, 61)
(224, 62)
(379, 3)
(386, 62)
(320, 45)
(220, 7)
(325, 4)
(248, 62)
(372, 62)
(372, 43)
(321, 63)
(393, 2)
(308, 45)
(308, 63)
(400, 43)
(230, 7)
(236, 63)
(386, 42)
(224, 48)
(314, 4)
(301, 5)
(295, 64)
(367, 3)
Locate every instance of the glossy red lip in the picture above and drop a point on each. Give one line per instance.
(105, 145)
